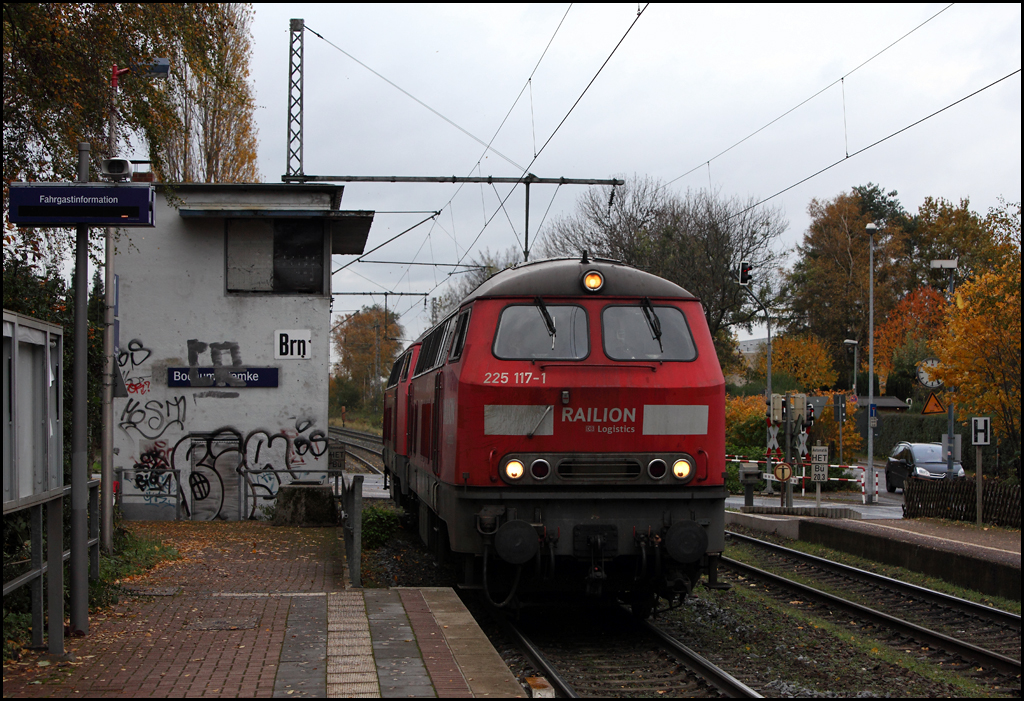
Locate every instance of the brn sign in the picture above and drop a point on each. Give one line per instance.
(293, 344)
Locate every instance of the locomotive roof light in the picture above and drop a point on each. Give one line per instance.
(683, 468)
(593, 281)
(514, 469)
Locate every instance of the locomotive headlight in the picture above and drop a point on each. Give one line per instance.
(593, 281)
(514, 469)
(682, 468)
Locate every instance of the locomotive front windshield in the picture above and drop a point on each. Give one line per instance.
(646, 332)
(541, 331)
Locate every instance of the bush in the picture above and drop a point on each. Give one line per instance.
(380, 523)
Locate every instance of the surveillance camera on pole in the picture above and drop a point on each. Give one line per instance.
(116, 169)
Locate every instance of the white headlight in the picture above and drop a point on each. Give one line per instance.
(682, 468)
(514, 469)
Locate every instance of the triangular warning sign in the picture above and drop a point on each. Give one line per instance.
(933, 405)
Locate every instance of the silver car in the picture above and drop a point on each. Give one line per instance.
(917, 461)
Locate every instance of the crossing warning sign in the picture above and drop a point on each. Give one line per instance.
(933, 405)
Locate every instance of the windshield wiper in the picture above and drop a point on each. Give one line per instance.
(652, 322)
(548, 321)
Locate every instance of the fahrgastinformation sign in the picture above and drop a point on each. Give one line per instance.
(68, 204)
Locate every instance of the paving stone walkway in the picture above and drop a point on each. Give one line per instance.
(258, 611)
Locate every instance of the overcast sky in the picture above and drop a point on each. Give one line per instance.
(686, 83)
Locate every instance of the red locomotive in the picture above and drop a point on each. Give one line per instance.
(564, 430)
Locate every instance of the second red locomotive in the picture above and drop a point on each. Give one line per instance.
(564, 430)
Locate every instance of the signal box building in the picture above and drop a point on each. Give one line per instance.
(222, 328)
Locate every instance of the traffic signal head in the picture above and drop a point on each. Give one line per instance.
(745, 269)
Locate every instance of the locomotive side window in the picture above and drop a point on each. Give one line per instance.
(524, 333)
(435, 346)
(396, 370)
(646, 332)
(461, 327)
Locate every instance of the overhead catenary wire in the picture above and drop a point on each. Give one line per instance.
(805, 101)
(557, 128)
(413, 97)
(487, 146)
(876, 143)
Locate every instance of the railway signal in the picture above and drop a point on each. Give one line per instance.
(745, 269)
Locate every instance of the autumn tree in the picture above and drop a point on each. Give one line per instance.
(697, 239)
(980, 353)
(916, 322)
(803, 357)
(367, 347)
(215, 140)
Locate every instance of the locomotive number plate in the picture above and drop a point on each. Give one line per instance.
(515, 378)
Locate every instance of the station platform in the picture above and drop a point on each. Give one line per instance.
(253, 610)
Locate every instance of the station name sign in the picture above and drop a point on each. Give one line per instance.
(222, 376)
(68, 204)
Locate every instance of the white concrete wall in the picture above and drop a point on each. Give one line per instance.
(172, 291)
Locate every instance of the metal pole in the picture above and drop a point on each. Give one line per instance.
(951, 443)
(870, 472)
(977, 477)
(79, 584)
(526, 233)
(107, 455)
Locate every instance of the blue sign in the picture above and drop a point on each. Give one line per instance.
(68, 204)
(221, 376)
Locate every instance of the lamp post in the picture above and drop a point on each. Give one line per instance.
(949, 265)
(872, 417)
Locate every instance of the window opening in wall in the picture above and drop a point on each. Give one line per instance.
(278, 257)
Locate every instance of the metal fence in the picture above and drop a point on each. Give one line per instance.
(52, 565)
(957, 500)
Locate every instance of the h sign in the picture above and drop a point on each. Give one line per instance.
(981, 430)
(293, 344)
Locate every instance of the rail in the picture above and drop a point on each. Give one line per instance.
(1005, 618)
(924, 635)
(723, 682)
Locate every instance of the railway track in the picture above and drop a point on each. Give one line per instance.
(367, 443)
(957, 634)
(606, 653)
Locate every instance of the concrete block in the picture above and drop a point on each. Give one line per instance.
(305, 505)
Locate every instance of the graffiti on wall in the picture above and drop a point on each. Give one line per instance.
(221, 373)
(222, 474)
(129, 361)
(217, 467)
(152, 419)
